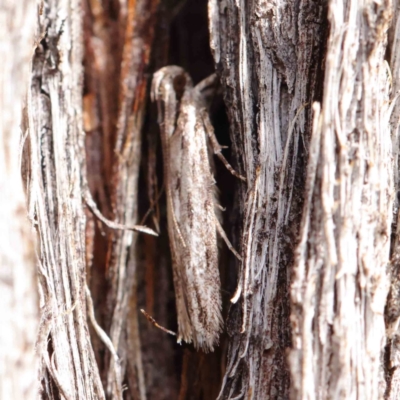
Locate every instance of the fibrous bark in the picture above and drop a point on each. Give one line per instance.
(56, 185)
(122, 262)
(392, 312)
(18, 289)
(311, 95)
(269, 56)
(340, 279)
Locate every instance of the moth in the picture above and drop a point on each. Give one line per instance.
(192, 207)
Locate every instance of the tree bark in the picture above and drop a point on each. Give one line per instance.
(310, 107)
(270, 60)
(340, 280)
(56, 187)
(18, 290)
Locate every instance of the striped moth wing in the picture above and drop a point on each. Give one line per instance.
(191, 207)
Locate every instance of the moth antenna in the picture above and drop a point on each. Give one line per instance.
(211, 80)
(151, 208)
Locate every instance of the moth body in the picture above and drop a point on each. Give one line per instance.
(191, 204)
(186, 132)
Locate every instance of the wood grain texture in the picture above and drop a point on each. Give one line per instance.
(311, 92)
(136, 23)
(392, 309)
(341, 278)
(341, 165)
(269, 57)
(19, 313)
(56, 183)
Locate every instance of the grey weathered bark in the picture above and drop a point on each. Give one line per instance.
(56, 185)
(270, 58)
(392, 314)
(318, 211)
(19, 313)
(340, 280)
(311, 95)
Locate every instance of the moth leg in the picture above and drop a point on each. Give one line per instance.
(87, 196)
(154, 207)
(216, 146)
(221, 231)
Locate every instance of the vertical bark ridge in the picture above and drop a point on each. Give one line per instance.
(121, 265)
(340, 277)
(268, 56)
(54, 114)
(19, 312)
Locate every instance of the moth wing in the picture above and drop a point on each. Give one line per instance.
(195, 214)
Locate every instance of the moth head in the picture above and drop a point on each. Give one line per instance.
(179, 84)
